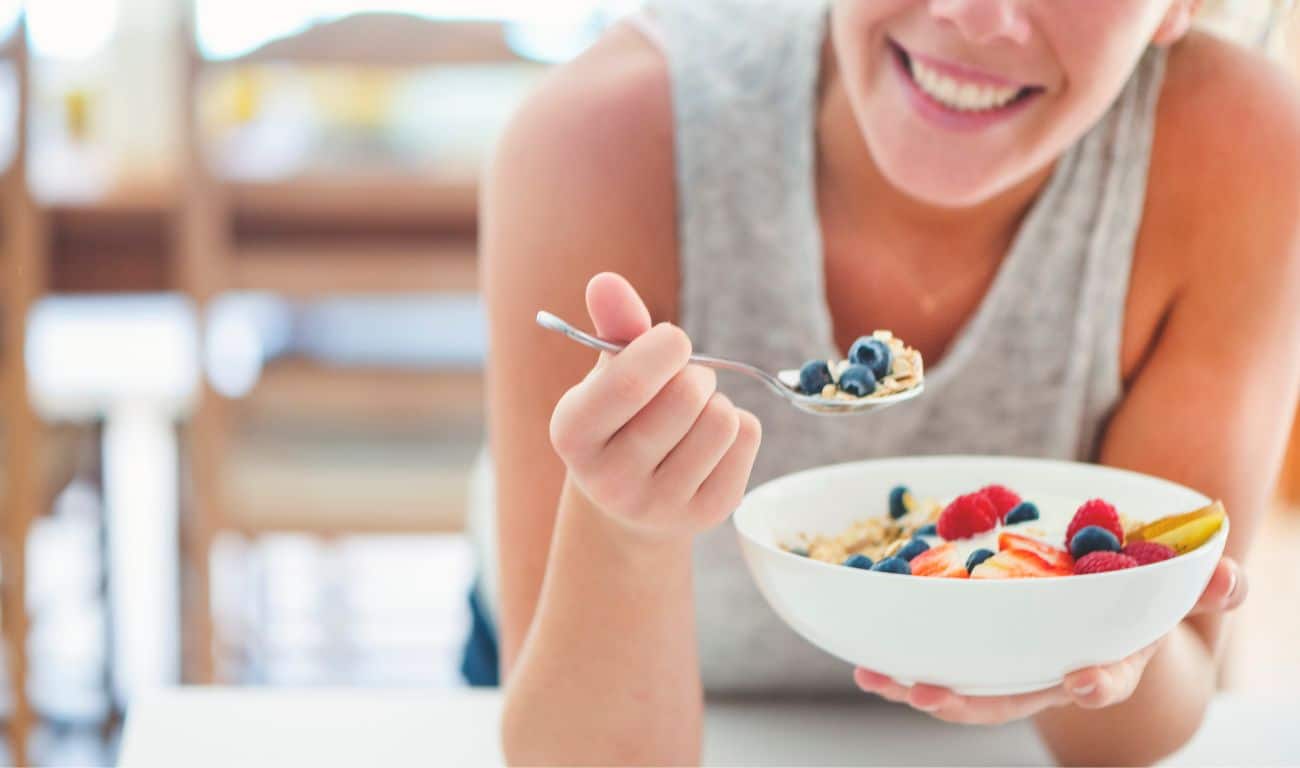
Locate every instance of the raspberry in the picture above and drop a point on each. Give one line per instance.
(967, 516)
(1100, 562)
(1148, 552)
(1098, 513)
(1003, 498)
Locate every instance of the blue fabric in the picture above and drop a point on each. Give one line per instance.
(479, 664)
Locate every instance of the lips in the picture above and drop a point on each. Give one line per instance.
(960, 89)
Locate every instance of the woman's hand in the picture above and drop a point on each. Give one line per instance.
(645, 436)
(1091, 688)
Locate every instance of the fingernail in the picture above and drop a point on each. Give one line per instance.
(1232, 585)
(1084, 690)
(927, 707)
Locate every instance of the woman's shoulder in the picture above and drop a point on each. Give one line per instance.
(1219, 95)
(590, 154)
(1225, 168)
(616, 92)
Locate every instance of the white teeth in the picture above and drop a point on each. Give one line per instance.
(965, 97)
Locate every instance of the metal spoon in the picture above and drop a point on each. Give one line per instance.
(784, 384)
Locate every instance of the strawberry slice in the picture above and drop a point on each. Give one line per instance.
(1017, 564)
(942, 562)
(1057, 558)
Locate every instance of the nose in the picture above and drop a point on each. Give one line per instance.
(985, 21)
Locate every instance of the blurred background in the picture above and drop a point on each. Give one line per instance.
(241, 346)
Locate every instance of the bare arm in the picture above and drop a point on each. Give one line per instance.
(1212, 406)
(603, 475)
(576, 187)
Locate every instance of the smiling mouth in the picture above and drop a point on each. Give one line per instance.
(960, 94)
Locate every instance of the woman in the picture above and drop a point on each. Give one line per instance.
(1082, 214)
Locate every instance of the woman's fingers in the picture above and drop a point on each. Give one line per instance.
(651, 434)
(1226, 591)
(697, 454)
(1097, 687)
(945, 705)
(720, 493)
(996, 710)
(592, 412)
(930, 698)
(1090, 688)
(881, 685)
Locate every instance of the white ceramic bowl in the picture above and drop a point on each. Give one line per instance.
(981, 637)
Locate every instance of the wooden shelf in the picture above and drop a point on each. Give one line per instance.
(143, 195)
(122, 246)
(326, 477)
(365, 237)
(265, 498)
(378, 201)
(313, 270)
(301, 390)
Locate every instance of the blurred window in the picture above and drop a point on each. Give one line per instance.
(9, 10)
(53, 37)
(229, 28)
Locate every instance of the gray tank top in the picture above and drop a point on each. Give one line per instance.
(1034, 372)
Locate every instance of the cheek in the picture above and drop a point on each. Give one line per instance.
(1099, 42)
(1096, 61)
(856, 24)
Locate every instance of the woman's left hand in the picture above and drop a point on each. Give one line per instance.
(1091, 688)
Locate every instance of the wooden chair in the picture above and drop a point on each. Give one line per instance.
(23, 281)
(383, 236)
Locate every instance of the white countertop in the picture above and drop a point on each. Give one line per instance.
(198, 727)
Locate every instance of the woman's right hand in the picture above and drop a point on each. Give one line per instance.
(646, 437)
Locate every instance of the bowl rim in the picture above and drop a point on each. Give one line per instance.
(743, 523)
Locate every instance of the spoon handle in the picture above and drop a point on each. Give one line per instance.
(553, 323)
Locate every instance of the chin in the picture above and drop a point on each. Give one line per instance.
(941, 181)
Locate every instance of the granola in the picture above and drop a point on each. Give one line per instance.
(875, 537)
(879, 365)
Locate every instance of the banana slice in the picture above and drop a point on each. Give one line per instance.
(1152, 530)
(1193, 534)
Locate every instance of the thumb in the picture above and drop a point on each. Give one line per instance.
(617, 311)
(1226, 590)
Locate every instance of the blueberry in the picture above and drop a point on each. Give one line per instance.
(928, 530)
(898, 501)
(858, 380)
(814, 377)
(1022, 513)
(893, 565)
(859, 561)
(800, 551)
(1093, 538)
(874, 354)
(977, 557)
(912, 548)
